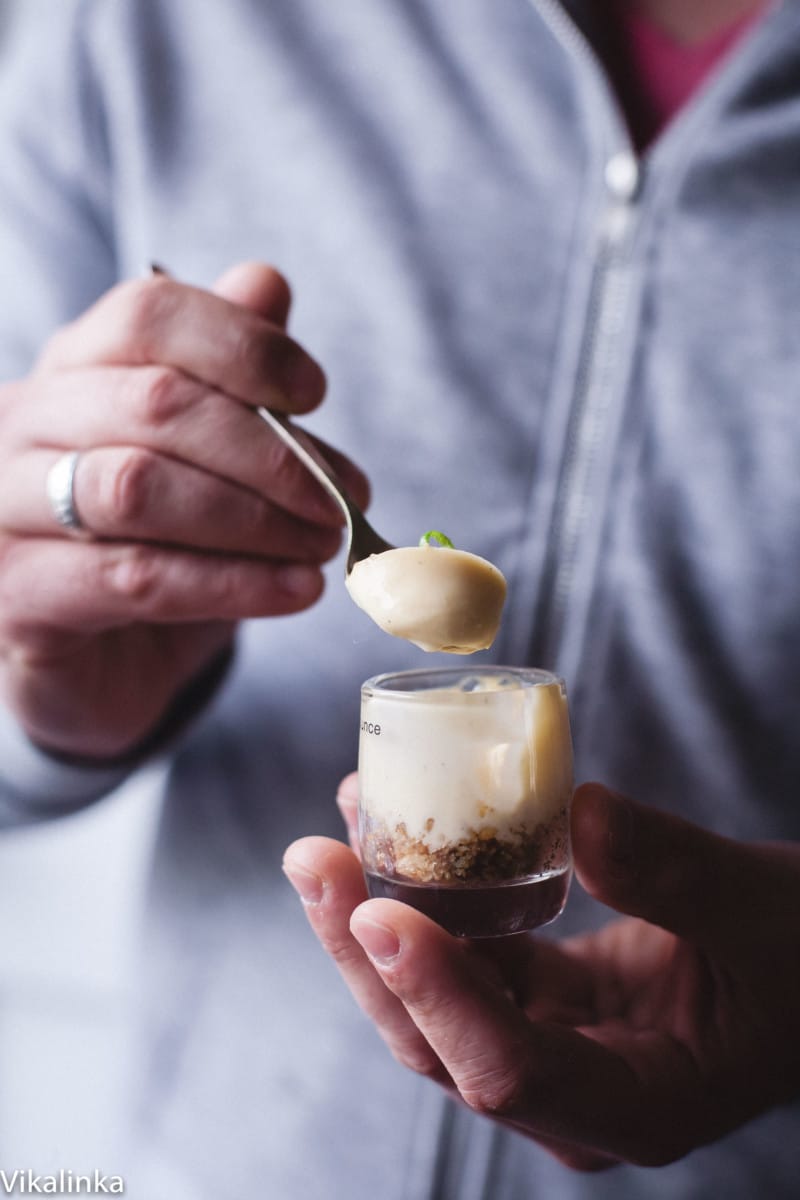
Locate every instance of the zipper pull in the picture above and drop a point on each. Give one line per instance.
(623, 180)
(623, 176)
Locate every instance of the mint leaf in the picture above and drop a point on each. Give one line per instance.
(434, 538)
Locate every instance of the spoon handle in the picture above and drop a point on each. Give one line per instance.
(363, 538)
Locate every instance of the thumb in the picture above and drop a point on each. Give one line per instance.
(708, 889)
(260, 288)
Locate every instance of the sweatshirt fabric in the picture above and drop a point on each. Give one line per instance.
(579, 363)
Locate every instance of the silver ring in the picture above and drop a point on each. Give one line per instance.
(59, 486)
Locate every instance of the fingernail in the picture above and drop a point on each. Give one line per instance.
(620, 832)
(308, 886)
(381, 943)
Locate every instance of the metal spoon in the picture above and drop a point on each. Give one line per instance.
(362, 540)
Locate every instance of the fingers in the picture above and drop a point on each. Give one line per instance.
(258, 287)
(550, 1080)
(347, 801)
(128, 493)
(165, 367)
(710, 890)
(331, 881)
(328, 878)
(105, 585)
(161, 321)
(482, 1020)
(163, 410)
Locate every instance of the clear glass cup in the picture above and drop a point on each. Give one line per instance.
(465, 787)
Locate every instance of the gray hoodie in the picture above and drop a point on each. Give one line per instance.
(582, 366)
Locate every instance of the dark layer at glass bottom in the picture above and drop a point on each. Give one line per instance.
(481, 909)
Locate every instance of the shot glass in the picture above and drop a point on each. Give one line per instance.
(465, 787)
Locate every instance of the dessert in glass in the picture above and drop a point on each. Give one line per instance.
(465, 786)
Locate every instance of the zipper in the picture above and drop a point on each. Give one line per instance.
(593, 395)
(595, 377)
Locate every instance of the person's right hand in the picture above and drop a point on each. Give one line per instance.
(199, 515)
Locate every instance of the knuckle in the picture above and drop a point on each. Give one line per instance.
(163, 395)
(255, 518)
(234, 587)
(227, 586)
(143, 304)
(343, 950)
(133, 574)
(494, 1093)
(125, 498)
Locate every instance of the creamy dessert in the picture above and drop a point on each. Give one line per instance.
(437, 597)
(467, 785)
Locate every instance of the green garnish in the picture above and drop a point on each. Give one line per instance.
(434, 538)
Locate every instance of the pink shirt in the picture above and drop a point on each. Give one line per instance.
(655, 75)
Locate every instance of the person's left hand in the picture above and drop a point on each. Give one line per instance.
(662, 1032)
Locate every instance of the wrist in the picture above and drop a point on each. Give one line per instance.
(185, 706)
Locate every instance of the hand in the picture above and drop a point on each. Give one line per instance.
(200, 515)
(664, 1031)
